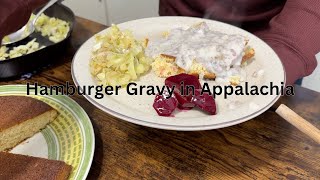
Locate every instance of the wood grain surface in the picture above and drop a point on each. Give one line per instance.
(266, 147)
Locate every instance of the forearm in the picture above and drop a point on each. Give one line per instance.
(294, 35)
(15, 13)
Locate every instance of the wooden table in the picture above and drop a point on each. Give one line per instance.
(264, 147)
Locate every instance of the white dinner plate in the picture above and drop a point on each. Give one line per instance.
(138, 109)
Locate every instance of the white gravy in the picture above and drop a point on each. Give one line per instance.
(219, 53)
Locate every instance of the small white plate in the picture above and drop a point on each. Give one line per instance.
(139, 110)
(69, 138)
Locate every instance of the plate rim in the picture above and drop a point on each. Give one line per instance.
(91, 129)
(178, 127)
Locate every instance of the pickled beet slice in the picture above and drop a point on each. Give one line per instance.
(188, 80)
(163, 105)
(184, 103)
(184, 108)
(184, 98)
(205, 102)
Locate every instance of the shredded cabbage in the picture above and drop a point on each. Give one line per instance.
(53, 28)
(3, 53)
(21, 50)
(117, 58)
(30, 47)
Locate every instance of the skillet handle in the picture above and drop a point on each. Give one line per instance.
(300, 123)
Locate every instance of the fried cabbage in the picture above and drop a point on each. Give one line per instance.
(3, 53)
(53, 28)
(21, 50)
(118, 58)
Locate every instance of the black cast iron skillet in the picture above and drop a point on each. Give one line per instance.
(15, 67)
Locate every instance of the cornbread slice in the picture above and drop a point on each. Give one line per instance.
(21, 167)
(21, 118)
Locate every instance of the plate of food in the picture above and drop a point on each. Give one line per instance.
(50, 39)
(179, 73)
(43, 137)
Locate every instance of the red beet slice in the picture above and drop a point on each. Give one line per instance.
(188, 80)
(184, 103)
(163, 105)
(184, 98)
(184, 108)
(205, 102)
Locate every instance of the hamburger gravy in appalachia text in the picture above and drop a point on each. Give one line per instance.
(134, 89)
